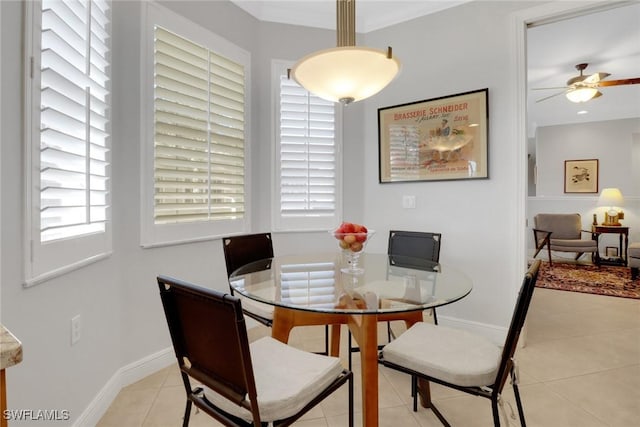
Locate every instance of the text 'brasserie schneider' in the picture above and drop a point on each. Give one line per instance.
(431, 111)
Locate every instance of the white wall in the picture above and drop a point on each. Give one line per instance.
(454, 51)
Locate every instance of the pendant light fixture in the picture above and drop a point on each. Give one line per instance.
(346, 73)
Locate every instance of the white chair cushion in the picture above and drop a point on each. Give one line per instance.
(287, 379)
(452, 355)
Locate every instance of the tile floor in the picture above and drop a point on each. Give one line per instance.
(580, 367)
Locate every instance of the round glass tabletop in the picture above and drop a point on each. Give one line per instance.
(315, 282)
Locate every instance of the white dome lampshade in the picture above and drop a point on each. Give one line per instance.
(346, 74)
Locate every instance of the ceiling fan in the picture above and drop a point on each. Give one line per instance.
(583, 88)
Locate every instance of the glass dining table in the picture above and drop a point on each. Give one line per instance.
(312, 289)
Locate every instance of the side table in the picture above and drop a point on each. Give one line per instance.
(10, 354)
(623, 232)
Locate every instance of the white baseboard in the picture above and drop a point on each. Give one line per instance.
(123, 377)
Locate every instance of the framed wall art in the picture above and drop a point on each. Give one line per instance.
(436, 139)
(581, 176)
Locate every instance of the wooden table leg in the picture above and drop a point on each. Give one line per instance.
(365, 331)
(334, 342)
(283, 322)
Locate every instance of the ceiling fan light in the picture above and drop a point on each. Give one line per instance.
(582, 94)
(346, 74)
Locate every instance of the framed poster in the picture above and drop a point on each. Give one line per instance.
(436, 139)
(581, 176)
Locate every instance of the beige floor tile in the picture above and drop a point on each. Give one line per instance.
(153, 381)
(396, 416)
(545, 408)
(613, 396)
(129, 409)
(343, 420)
(174, 377)
(563, 358)
(337, 403)
(318, 422)
(168, 407)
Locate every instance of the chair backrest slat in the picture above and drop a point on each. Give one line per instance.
(244, 249)
(210, 340)
(517, 321)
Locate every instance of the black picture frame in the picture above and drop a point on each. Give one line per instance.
(438, 139)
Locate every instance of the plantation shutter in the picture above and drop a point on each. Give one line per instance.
(199, 133)
(74, 118)
(308, 153)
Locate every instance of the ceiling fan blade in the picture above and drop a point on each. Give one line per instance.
(595, 78)
(620, 82)
(551, 96)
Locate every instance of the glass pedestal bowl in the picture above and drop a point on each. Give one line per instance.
(352, 245)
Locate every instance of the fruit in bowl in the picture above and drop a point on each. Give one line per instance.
(352, 236)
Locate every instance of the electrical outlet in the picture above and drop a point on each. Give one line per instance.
(76, 329)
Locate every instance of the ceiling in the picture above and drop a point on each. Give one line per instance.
(370, 14)
(608, 40)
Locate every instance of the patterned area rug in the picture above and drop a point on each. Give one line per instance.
(605, 280)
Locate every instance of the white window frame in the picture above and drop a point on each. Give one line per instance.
(153, 235)
(307, 222)
(46, 260)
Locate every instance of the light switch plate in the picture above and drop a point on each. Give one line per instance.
(409, 202)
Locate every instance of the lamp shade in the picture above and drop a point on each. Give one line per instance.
(582, 94)
(611, 197)
(346, 74)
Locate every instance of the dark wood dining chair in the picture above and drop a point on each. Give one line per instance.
(247, 248)
(408, 249)
(462, 360)
(418, 245)
(242, 384)
(242, 250)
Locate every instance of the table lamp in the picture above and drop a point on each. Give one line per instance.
(612, 199)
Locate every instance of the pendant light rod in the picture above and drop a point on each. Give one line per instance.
(346, 22)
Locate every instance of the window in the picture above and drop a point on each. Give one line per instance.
(196, 139)
(68, 131)
(308, 174)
